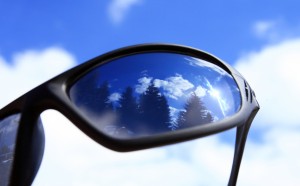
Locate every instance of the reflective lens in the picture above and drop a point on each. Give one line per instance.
(8, 132)
(150, 93)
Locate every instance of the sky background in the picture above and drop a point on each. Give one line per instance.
(40, 39)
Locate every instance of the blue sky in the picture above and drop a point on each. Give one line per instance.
(39, 39)
(89, 29)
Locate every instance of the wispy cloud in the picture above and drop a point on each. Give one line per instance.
(202, 63)
(118, 9)
(262, 28)
(275, 30)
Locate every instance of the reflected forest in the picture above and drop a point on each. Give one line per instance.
(136, 114)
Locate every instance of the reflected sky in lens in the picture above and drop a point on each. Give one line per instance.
(177, 77)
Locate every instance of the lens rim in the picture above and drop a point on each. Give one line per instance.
(157, 59)
(246, 107)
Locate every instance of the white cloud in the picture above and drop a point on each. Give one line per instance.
(275, 161)
(200, 91)
(273, 73)
(118, 9)
(144, 83)
(114, 97)
(175, 86)
(29, 69)
(71, 158)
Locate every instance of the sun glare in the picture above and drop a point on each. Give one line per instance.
(216, 94)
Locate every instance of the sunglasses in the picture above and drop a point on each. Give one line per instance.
(133, 98)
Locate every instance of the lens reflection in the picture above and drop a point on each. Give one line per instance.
(145, 94)
(8, 132)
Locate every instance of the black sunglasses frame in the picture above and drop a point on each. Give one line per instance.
(53, 94)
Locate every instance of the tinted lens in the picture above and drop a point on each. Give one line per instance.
(8, 132)
(149, 93)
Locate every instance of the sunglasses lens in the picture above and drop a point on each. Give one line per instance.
(149, 93)
(8, 133)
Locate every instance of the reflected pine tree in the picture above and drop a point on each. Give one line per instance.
(127, 110)
(147, 114)
(154, 111)
(101, 101)
(195, 113)
(91, 96)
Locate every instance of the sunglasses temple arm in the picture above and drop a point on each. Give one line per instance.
(241, 138)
